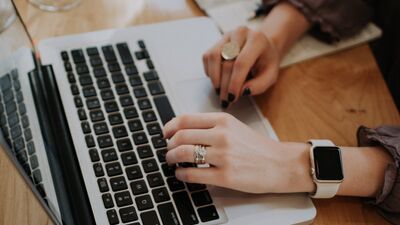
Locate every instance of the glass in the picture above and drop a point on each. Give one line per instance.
(55, 5)
(7, 14)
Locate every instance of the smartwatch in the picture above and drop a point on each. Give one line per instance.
(326, 168)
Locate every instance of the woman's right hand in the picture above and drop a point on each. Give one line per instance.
(253, 71)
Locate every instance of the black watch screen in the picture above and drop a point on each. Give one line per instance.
(328, 163)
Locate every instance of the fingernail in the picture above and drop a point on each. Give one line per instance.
(231, 97)
(218, 90)
(246, 92)
(224, 104)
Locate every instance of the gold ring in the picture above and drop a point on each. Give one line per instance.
(230, 51)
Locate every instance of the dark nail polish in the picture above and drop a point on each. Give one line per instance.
(231, 97)
(224, 104)
(218, 90)
(246, 92)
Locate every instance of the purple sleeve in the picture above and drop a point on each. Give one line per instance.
(388, 199)
(333, 19)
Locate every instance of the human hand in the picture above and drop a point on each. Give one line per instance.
(239, 158)
(253, 71)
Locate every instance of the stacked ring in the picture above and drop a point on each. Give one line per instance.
(200, 153)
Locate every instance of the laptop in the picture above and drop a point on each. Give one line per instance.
(81, 119)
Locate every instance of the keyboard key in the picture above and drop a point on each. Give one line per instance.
(103, 83)
(22, 156)
(130, 113)
(141, 44)
(64, 56)
(150, 75)
(140, 138)
(93, 103)
(109, 53)
(149, 165)
(131, 70)
(107, 94)
(71, 78)
(119, 132)
(164, 109)
(74, 90)
(155, 180)
(89, 91)
(133, 172)
(168, 171)
(34, 162)
(105, 141)
(150, 64)
(100, 128)
(103, 186)
(11, 107)
(89, 141)
(125, 53)
(144, 202)
(37, 176)
(108, 201)
(99, 72)
(144, 151)
(158, 142)
(161, 155)
(154, 128)
(22, 108)
(78, 56)
(140, 92)
(96, 115)
(128, 214)
(117, 78)
(19, 144)
(149, 116)
(114, 67)
(122, 89)
(20, 97)
(128, 158)
(124, 145)
(160, 194)
(135, 81)
(13, 119)
(82, 69)
(150, 218)
(144, 104)
(113, 169)
(118, 183)
(175, 184)
(195, 187)
(25, 121)
(156, 88)
(92, 51)
(82, 114)
(78, 102)
(111, 106)
(208, 213)
(115, 119)
(168, 214)
(94, 155)
(139, 187)
(27, 169)
(85, 80)
(185, 208)
(109, 155)
(5, 82)
(95, 61)
(135, 125)
(31, 148)
(140, 55)
(201, 198)
(126, 100)
(98, 169)
(8, 95)
(112, 217)
(68, 66)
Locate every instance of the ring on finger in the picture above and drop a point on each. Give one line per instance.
(230, 51)
(200, 152)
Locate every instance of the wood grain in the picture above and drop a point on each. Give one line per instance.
(327, 97)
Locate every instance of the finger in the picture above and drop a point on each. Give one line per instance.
(239, 36)
(185, 153)
(247, 58)
(205, 63)
(192, 137)
(225, 77)
(214, 62)
(190, 121)
(198, 175)
(260, 83)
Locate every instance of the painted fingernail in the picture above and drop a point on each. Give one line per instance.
(217, 90)
(224, 104)
(246, 92)
(231, 97)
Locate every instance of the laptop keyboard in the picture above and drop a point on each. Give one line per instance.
(15, 125)
(118, 106)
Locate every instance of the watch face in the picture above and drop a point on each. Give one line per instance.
(328, 165)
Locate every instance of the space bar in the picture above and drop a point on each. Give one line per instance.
(164, 109)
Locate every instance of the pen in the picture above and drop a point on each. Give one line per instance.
(261, 10)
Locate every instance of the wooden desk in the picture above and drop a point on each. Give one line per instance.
(327, 97)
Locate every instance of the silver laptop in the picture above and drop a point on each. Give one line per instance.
(83, 121)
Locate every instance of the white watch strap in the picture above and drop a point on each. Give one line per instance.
(324, 190)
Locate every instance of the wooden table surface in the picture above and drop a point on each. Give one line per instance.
(328, 97)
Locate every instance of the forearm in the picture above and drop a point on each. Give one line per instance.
(284, 25)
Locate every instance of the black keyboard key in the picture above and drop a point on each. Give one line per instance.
(112, 217)
(107, 94)
(82, 114)
(20, 97)
(150, 218)
(22, 156)
(94, 155)
(160, 194)
(131, 70)
(111, 106)
(71, 78)
(168, 170)
(154, 128)
(141, 44)
(89, 141)
(168, 214)
(17, 85)
(11, 107)
(201, 198)
(102, 182)
(150, 64)
(195, 187)
(164, 109)
(149, 165)
(22, 108)
(85, 80)
(96, 115)
(140, 55)
(100, 128)
(95, 61)
(89, 91)
(14, 74)
(144, 103)
(139, 187)
(103, 83)
(208, 213)
(135, 81)
(108, 201)
(37, 176)
(113, 169)
(175, 184)
(78, 56)
(64, 56)
(99, 72)
(8, 95)
(161, 155)
(133, 172)
(118, 78)
(78, 102)
(125, 53)
(144, 202)
(114, 67)
(150, 75)
(140, 92)
(82, 69)
(105, 141)
(124, 145)
(156, 88)
(93, 103)
(149, 116)
(155, 180)
(140, 138)
(13, 119)
(92, 51)
(68, 66)
(130, 113)
(74, 90)
(98, 170)
(25, 121)
(86, 127)
(34, 162)
(19, 144)
(28, 134)
(126, 100)
(109, 53)
(5, 82)
(119, 132)
(115, 119)
(31, 148)
(118, 183)
(144, 151)
(109, 155)
(128, 158)
(185, 208)
(128, 214)
(135, 125)
(158, 142)
(122, 89)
